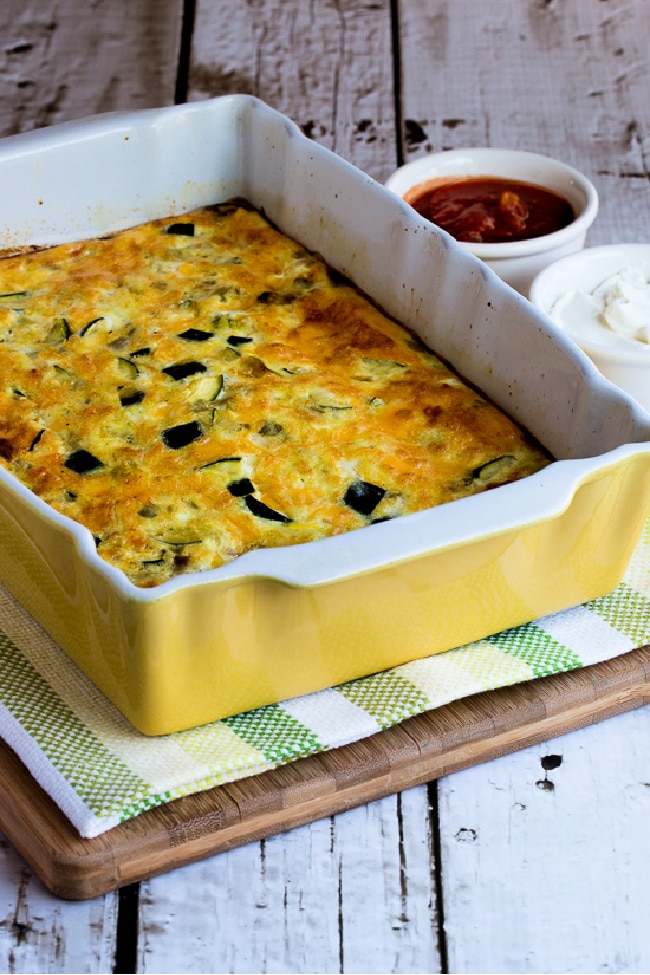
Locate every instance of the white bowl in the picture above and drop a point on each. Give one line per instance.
(516, 262)
(623, 360)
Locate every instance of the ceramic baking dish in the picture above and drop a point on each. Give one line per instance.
(282, 622)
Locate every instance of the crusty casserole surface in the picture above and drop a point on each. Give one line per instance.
(199, 386)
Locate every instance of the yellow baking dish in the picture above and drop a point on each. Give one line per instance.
(281, 622)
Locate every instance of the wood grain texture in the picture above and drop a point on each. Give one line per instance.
(349, 893)
(566, 888)
(65, 60)
(328, 66)
(40, 933)
(428, 746)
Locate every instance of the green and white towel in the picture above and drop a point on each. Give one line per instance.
(100, 771)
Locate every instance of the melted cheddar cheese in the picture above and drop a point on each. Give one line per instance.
(200, 386)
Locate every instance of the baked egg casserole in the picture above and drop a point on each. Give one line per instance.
(199, 386)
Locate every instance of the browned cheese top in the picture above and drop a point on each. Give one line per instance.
(199, 386)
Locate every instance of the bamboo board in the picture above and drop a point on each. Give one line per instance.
(456, 736)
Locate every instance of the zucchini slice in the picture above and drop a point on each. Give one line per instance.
(241, 488)
(82, 462)
(261, 510)
(181, 435)
(363, 497)
(181, 229)
(181, 370)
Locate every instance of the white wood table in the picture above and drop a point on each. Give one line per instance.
(537, 862)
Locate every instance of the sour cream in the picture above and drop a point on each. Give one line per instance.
(616, 313)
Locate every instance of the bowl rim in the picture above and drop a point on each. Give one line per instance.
(563, 267)
(509, 249)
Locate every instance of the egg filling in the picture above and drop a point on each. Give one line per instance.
(200, 386)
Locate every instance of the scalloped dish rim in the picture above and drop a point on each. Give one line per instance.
(279, 623)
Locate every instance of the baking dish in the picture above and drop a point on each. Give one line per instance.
(278, 623)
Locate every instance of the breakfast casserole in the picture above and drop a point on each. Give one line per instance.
(199, 386)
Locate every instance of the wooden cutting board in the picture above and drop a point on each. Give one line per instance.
(453, 737)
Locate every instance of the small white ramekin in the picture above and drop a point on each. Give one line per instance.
(625, 364)
(516, 262)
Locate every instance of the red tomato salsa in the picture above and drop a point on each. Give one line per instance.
(490, 210)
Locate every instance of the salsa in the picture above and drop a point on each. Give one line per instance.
(489, 209)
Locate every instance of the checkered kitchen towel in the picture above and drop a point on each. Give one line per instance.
(100, 771)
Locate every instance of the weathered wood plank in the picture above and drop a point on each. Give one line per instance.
(328, 66)
(543, 855)
(268, 906)
(566, 79)
(64, 60)
(387, 886)
(354, 893)
(40, 933)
